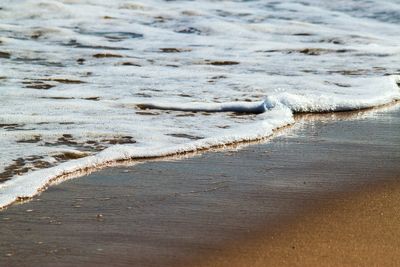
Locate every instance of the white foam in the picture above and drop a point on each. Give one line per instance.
(239, 107)
(28, 185)
(209, 57)
(365, 97)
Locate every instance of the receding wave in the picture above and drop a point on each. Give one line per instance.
(278, 112)
(87, 83)
(375, 92)
(238, 107)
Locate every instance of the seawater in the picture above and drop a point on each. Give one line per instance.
(86, 82)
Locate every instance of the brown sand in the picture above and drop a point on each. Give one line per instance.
(224, 208)
(362, 230)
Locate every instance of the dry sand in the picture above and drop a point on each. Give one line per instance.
(307, 197)
(361, 230)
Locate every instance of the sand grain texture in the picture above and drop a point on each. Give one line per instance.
(362, 230)
(302, 188)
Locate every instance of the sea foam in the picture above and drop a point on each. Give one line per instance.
(87, 83)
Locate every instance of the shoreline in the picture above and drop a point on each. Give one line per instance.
(297, 117)
(173, 213)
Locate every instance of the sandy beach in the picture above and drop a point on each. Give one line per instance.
(324, 192)
(199, 133)
(357, 230)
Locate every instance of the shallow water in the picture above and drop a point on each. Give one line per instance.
(76, 76)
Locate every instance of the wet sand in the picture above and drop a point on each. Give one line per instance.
(317, 188)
